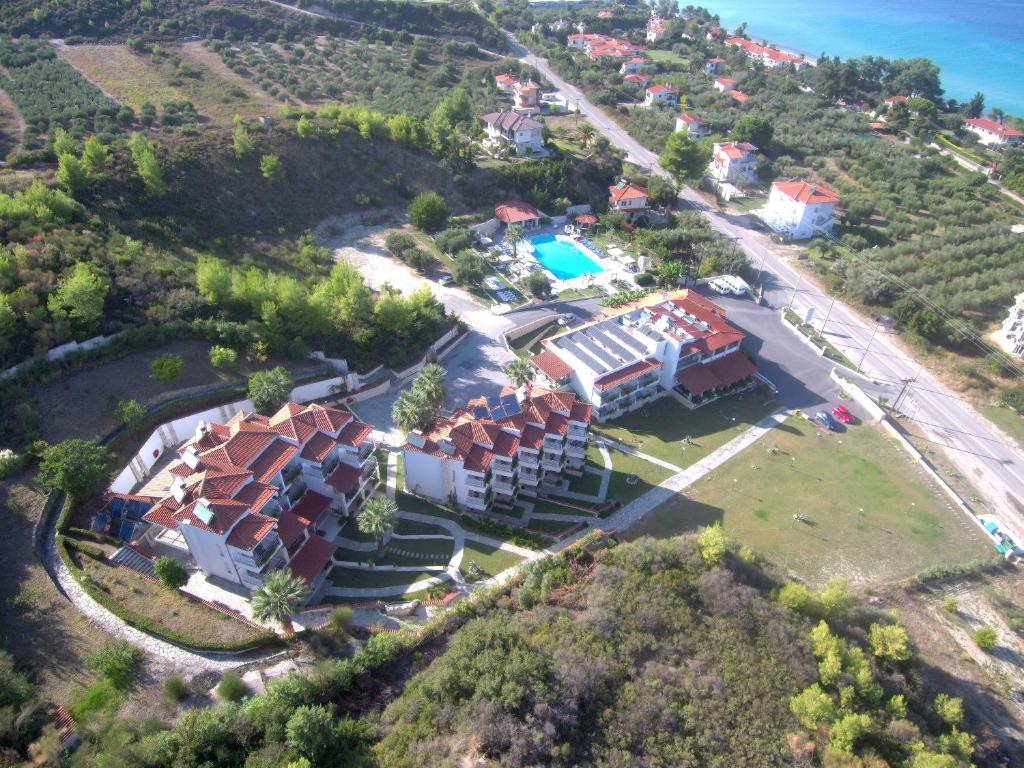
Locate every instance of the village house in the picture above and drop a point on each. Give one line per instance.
(738, 96)
(995, 134)
(657, 30)
(723, 84)
(800, 210)
(679, 341)
(772, 58)
(634, 65)
(526, 97)
(661, 94)
(498, 447)
(692, 126)
(517, 212)
(260, 493)
(713, 33)
(506, 82)
(1011, 334)
(630, 199)
(639, 81)
(519, 134)
(714, 66)
(733, 161)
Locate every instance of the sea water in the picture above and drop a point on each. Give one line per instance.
(978, 44)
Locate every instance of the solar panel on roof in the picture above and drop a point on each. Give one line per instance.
(498, 413)
(506, 399)
(493, 402)
(204, 513)
(513, 408)
(480, 412)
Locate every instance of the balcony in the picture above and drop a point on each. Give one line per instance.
(368, 468)
(529, 459)
(295, 491)
(501, 485)
(290, 472)
(555, 465)
(472, 481)
(365, 449)
(576, 448)
(504, 466)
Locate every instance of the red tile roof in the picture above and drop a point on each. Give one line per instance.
(581, 412)
(344, 479)
(515, 211)
(311, 506)
(723, 372)
(806, 193)
(226, 513)
(272, 460)
(256, 495)
(506, 79)
(725, 81)
(662, 89)
(301, 517)
(688, 118)
(735, 150)
(738, 96)
(697, 379)
(250, 531)
(506, 445)
(557, 424)
(354, 434)
(551, 365)
(477, 459)
(311, 558)
(993, 127)
(532, 437)
(627, 191)
(318, 447)
(630, 372)
(637, 79)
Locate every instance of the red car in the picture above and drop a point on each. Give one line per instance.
(842, 413)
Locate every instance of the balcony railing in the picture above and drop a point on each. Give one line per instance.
(290, 472)
(475, 482)
(365, 449)
(368, 469)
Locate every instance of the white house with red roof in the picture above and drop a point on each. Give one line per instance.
(526, 97)
(519, 134)
(692, 126)
(657, 30)
(498, 447)
(629, 198)
(249, 496)
(640, 81)
(733, 161)
(994, 134)
(771, 58)
(678, 341)
(517, 212)
(661, 94)
(505, 82)
(799, 209)
(714, 65)
(634, 65)
(723, 84)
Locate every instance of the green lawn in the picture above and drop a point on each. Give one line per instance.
(409, 503)
(418, 552)
(546, 506)
(623, 465)
(747, 204)
(550, 526)
(1007, 419)
(415, 528)
(589, 483)
(873, 516)
(351, 532)
(668, 57)
(366, 579)
(491, 559)
(660, 429)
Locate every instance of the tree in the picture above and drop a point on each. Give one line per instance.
(411, 411)
(8, 318)
(976, 106)
(685, 159)
(430, 385)
(378, 515)
(223, 357)
(130, 412)
(80, 468)
(269, 390)
(305, 127)
(116, 661)
(167, 368)
(95, 155)
(469, 268)
(950, 709)
(399, 244)
(890, 642)
(242, 140)
(311, 732)
(72, 174)
(757, 129)
(80, 296)
(670, 273)
(986, 638)
(538, 284)
(513, 234)
(271, 168)
(519, 372)
(147, 165)
(170, 572)
(428, 211)
(846, 732)
(812, 707)
(712, 544)
(63, 143)
(278, 598)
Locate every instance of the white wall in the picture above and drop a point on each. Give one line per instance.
(63, 351)
(427, 475)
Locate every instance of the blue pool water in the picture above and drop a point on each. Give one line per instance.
(563, 259)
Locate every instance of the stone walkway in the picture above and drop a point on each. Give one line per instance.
(391, 478)
(634, 452)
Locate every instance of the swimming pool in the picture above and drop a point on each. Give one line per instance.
(562, 258)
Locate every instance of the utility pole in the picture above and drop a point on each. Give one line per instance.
(903, 391)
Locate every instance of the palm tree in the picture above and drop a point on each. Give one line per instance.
(277, 599)
(586, 132)
(431, 385)
(377, 516)
(411, 411)
(519, 372)
(513, 234)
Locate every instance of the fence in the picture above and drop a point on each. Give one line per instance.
(60, 352)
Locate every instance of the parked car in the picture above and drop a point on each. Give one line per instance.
(445, 280)
(823, 418)
(842, 413)
(566, 318)
(719, 286)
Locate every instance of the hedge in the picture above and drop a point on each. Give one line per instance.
(518, 536)
(143, 623)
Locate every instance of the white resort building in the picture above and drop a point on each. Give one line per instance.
(992, 133)
(260, 493)
(800, 210)
(1011, 335)
(497, 448)
(678, 341)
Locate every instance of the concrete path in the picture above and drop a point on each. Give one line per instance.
(606, 457)
(391, 477)
(634, 452)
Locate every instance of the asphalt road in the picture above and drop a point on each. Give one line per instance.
(995, 467)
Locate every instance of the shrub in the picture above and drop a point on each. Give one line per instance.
(101, 696)
(341, 619)
(223, 357)
(474, 571)
(428, 211)
(271, 168)
(231, 687)
(116, 661)
(130, 412)
(950, 605)
(170, 572)
(175, 689)
(77, 467)
(167, 368)
(269, 390)
(950, 709)
(890, 642)
(985, 638)
(713, 544)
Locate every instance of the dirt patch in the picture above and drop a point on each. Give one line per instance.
(82, 404)
(43, 631)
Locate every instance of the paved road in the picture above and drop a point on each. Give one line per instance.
(995, 467)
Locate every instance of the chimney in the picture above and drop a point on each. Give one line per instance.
(190, 457)
(200, 430)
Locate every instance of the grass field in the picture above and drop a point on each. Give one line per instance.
(491, 559)
(414, 528)
(588, 483)
(661, 428)
(133, 78)
(623, 465)
(667, 57)
(1007, 419)
(550, 526)
(418, 552)
(873, 516)
(360, 579)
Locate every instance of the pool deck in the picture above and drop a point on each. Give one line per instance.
(612, 269)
